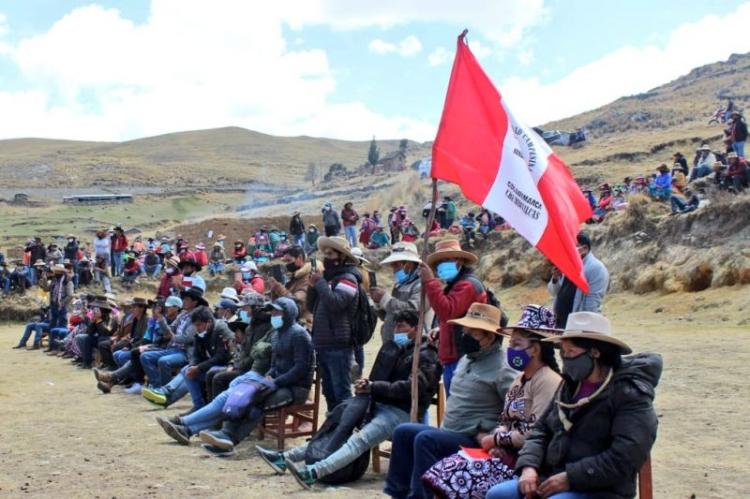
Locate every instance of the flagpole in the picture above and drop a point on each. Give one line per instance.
(422, 311)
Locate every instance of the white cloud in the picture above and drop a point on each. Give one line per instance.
(439, 56)
(407, 47)
(186, 67)
(480, 51)
(628, 70)
(525, 57)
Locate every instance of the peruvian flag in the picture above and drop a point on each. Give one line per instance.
(506, 167)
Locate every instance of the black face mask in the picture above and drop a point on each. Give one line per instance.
(578, 368)
(292, 267)
(467, 344)
(330, 264)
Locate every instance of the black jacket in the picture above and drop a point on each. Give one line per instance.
(331, 301)
(740, 131)
(296, 226)
(611, 436)
(37, 252)
(70, 251)
(292, 358)
(391, 375)
(212, 349)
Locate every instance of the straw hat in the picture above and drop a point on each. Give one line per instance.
(173, 262)
(339, 244)
(535, 319)
(450, 249)
(58, 268)
(705, 147)
(403, 252)
(732, 155)
(480, 316)
(591, 326)
(39, 263)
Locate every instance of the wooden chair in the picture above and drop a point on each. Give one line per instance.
(287, 422)
(645, 481)
(439, 401)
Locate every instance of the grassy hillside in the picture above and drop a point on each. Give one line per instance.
(198, 158)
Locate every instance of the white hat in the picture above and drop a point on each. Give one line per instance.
(403, 252)
(229, 294)
(249, 266)
(591, 326)
(359, 255)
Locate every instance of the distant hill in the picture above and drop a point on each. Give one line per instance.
(201, 158)
(635, 134)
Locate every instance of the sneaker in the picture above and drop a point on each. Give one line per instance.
(156, 397)
(135, 389)
(274, 459)
(305, 475)
(217, 439)
(178, 432)
(217, 452)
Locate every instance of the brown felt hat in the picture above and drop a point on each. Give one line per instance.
(450, 249)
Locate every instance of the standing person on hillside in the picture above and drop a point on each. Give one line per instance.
(331, 220)
(201, 257)
(311, 239)
(60, 288)
(330, 298)
(119, 246)
(366, 229)
(738, 134)
(451, 293)
(297, 229)
(37, 252)
(450, 212)
(350, 217)
(568, 298)
(216, 259)
(682, 161)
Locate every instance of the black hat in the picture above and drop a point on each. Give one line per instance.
(196, 294)
(190, 261)
(235, 326)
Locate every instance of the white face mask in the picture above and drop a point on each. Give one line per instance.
(170, 270)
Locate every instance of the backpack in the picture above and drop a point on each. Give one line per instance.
(337, 428)
(364, 318)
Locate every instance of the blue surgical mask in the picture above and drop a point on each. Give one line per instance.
(246, 276)
(401, 276)
(244, 316)
(447, 271)
(518, 359)
(401, 338)
(277, 321)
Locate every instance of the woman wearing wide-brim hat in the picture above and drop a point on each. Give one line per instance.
(480, 384)
(528, 397)
(601, 425)
(451, 292)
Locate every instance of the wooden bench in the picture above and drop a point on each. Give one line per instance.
(439, 401)
(293, 421)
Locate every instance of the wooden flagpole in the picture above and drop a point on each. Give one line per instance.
(422, 311)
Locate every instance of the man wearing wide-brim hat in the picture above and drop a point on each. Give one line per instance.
(451, 293)
(601, 425)
(407, 287)
(61, 294)
(480, 383)
(190, 277)
(331, 296)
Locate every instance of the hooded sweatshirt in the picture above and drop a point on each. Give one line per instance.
(292, 352)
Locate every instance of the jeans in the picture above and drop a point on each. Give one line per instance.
(105, 281)
(359, 357)
(379, 429)
(176, 388)
(299, 239)
(39, 327)
(416, 448)
(158, 364)
(336, 371)
(121, 357)
(152, 270)
(238, 430)
(739, 148)
(448, 370)
(5, 284)
(208, 416)
(195, 385)
(117, 263)
(58, 317)
(350, 231)
(509, 490)
(215, 268)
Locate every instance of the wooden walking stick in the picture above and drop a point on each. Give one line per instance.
(422, 310)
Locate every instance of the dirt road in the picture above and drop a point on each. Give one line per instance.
(61, 438)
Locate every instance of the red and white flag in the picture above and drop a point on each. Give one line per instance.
(506, 167)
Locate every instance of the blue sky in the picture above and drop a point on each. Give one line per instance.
(107, 70)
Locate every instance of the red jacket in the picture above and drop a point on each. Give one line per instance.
(119, 243)
(453, 305)
(165, 285)
(201, 257)
(349, 217)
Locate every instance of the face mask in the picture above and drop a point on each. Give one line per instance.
(467, 344)
(518, 359)
(170, 270)
(203, 334)
(401, 338)
(401, 276)
(447, 271)
(244, 316)
(578, 368)
(277, 321)
(292, 267)
(330, 264)
(246, 276)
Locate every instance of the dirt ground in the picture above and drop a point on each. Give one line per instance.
(61, 438)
